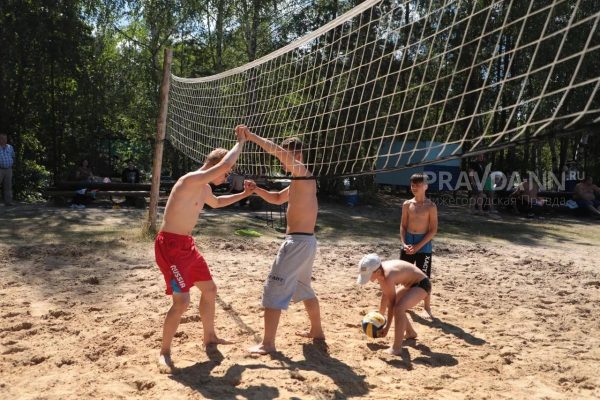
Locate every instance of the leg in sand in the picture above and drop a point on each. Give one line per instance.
(423, 262)
(406, 302)
(207, 313)
(268, 343)
(314, 315)
(410, 332)
(590, 207)
(427, 305)
(181, 301)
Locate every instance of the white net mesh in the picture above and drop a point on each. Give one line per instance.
(393, 84)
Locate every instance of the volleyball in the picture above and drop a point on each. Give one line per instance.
(373, 323)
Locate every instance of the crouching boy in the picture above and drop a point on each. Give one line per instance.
(413, 286)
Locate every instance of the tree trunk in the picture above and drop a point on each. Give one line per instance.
(564, 146)
(159, 145)
(553, 156)
(219, 33)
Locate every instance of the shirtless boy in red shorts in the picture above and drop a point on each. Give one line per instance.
(175, 250)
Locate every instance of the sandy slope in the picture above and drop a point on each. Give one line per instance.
(82, 320)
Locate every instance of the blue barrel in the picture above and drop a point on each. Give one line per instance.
(350, 197)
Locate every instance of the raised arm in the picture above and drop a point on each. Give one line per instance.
(204, 176)
(286, 157)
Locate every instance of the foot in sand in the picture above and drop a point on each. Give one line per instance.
(410, 336)
(311, 335)
(394, 352)
(215, 341)
(165, 364)
(428, 311)
(262, 349)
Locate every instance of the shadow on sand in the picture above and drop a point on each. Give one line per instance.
(199, 378)
(316, 358)
(427, 357)
(448, 328)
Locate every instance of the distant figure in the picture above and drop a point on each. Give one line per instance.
(587, 196)
(7, 159)
(525, 198)
(130, 174)
(84, 172)
(476, 172)
(492, 182)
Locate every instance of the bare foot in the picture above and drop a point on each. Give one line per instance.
(165, 364)
(410, 335)
(310, 335)
(393, 351)
(262, 349)
(428, 311)
(215, 341)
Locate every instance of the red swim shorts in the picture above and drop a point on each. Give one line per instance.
(180, 262)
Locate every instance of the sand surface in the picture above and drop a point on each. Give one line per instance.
(82, 305)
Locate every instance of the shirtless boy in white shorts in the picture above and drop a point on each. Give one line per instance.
(290, 276)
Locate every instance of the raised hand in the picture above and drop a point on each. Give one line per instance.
(240, 133)
(249, 134)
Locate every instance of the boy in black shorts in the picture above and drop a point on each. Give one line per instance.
(418, 226)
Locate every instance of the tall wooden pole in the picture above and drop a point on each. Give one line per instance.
(160, 142)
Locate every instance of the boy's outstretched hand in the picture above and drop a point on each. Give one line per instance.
(249, 185)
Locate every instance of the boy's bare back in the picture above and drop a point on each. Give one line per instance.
(398, 272)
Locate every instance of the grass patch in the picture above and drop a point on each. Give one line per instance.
(247, 232)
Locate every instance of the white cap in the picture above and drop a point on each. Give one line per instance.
(366, 267)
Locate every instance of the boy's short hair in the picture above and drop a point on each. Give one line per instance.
(215, 156)
(418, 178)
(292, 144)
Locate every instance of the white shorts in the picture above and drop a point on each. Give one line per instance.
(290, 276)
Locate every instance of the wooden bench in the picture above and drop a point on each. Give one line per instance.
(116, 192)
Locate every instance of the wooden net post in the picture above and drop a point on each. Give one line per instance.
(160, 142)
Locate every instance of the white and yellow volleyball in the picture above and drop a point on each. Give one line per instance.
(373, 323)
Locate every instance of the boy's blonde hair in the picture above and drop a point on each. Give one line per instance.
(215, 156)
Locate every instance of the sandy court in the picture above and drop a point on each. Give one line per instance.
(82, 305)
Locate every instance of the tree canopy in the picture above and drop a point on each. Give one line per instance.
(79, 79)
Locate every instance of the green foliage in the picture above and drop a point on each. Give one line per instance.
(32, 178)
(80, 78)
